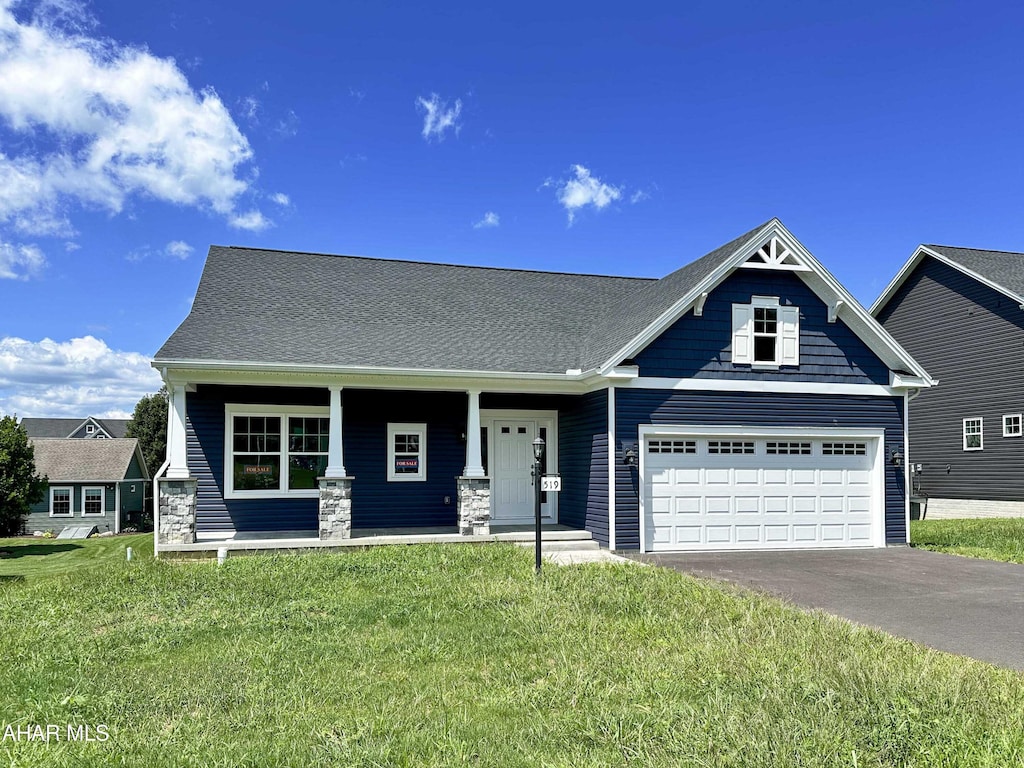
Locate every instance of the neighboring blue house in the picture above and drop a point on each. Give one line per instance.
(745, 401)
(967, 436)
(89, 427)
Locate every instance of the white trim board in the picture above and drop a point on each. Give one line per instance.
(611, 467)
(760, 385)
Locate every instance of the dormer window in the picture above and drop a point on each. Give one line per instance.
(90, 428)
(765, 334)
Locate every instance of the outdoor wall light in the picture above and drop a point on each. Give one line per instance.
(630, 457)
(897, 457)
(538, 448)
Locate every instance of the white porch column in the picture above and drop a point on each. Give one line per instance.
(474, 461)
(176, 434)
(335, 455)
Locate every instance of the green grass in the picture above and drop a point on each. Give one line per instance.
(29, 558)
(992, 539)
(457, 655)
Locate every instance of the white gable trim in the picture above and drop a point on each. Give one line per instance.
(817, 278)
(916, 258)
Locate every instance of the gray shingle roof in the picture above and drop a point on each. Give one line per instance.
(39, 427)
(276, 307)
(71, 460)
(1003, 268)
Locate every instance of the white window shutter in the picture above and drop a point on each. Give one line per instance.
(790, 335)
(742, 334)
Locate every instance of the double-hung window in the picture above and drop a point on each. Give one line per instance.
(275, 450)
(765, 334)
(92, 501)
(407, 452)
(60, 502)
(973, 437)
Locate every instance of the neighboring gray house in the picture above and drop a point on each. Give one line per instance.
(98, 482)
(90, 427)
(960, 312)
(744, 401)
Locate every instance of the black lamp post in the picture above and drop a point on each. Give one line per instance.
(538, 455)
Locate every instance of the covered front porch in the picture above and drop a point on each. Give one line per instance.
(303, 467)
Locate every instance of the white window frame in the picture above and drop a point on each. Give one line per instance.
(71, 500)
(90, 428)
(981, 433)
(398, 428)
(283, 412)
(1007, 432)
(787, 334)
(103, 500)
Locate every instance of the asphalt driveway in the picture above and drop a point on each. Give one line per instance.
(956, 604)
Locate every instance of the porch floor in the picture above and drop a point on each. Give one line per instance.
(371, 537)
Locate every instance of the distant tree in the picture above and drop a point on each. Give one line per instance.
(20, 486)
(149, 425)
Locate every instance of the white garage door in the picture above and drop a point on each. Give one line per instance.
(724, 492)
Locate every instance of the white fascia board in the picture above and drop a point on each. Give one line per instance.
(739, 430)
(899, 381)
(623, 372)
(253, 373)
(761, 385)
(917, 258)
(677, 310)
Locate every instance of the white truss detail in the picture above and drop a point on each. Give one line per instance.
(774, 255)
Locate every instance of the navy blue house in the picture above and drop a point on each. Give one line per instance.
(745, 401)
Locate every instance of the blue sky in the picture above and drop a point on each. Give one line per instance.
(597, 137)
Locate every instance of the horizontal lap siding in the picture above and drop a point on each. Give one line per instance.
(377, 503)
(970, 338)
(701, 347)
(583, 464)
(39, 518)
(205, 445)
(635, 407)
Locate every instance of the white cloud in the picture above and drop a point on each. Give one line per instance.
(106, 122)
(254, 221)
(639, 196)
(281, 199)
(179, 249)
(80, 377)
(438, 116)
(288, 126)
(581, 190)
(490, 219)
(20, 261)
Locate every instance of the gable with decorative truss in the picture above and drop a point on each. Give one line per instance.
(775, 254)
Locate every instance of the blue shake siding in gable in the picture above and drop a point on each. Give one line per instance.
(635, 407)
(701, 347)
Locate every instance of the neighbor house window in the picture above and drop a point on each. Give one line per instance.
(89, 429)
(407, 452)
(972, 434)
(275, 450)
(1012, 425)
(60, 502)
(92, 501)
(765, 334)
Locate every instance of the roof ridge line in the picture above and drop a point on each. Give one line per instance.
(979, 250)
(438, 263)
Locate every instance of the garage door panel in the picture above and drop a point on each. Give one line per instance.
(786, 498)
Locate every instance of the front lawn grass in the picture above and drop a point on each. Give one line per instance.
(992, 538)
(30, 558)
(455, 655)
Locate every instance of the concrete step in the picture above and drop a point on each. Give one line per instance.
(545, 535)
(563, 546)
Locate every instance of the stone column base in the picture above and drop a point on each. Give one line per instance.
(335, 508)
(473, 505)
(176, 500)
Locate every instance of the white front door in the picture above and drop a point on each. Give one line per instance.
(511, 452)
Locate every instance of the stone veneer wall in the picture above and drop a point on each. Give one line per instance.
(335, 508)
(177, 500)
(951, 509)
(474, 505)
